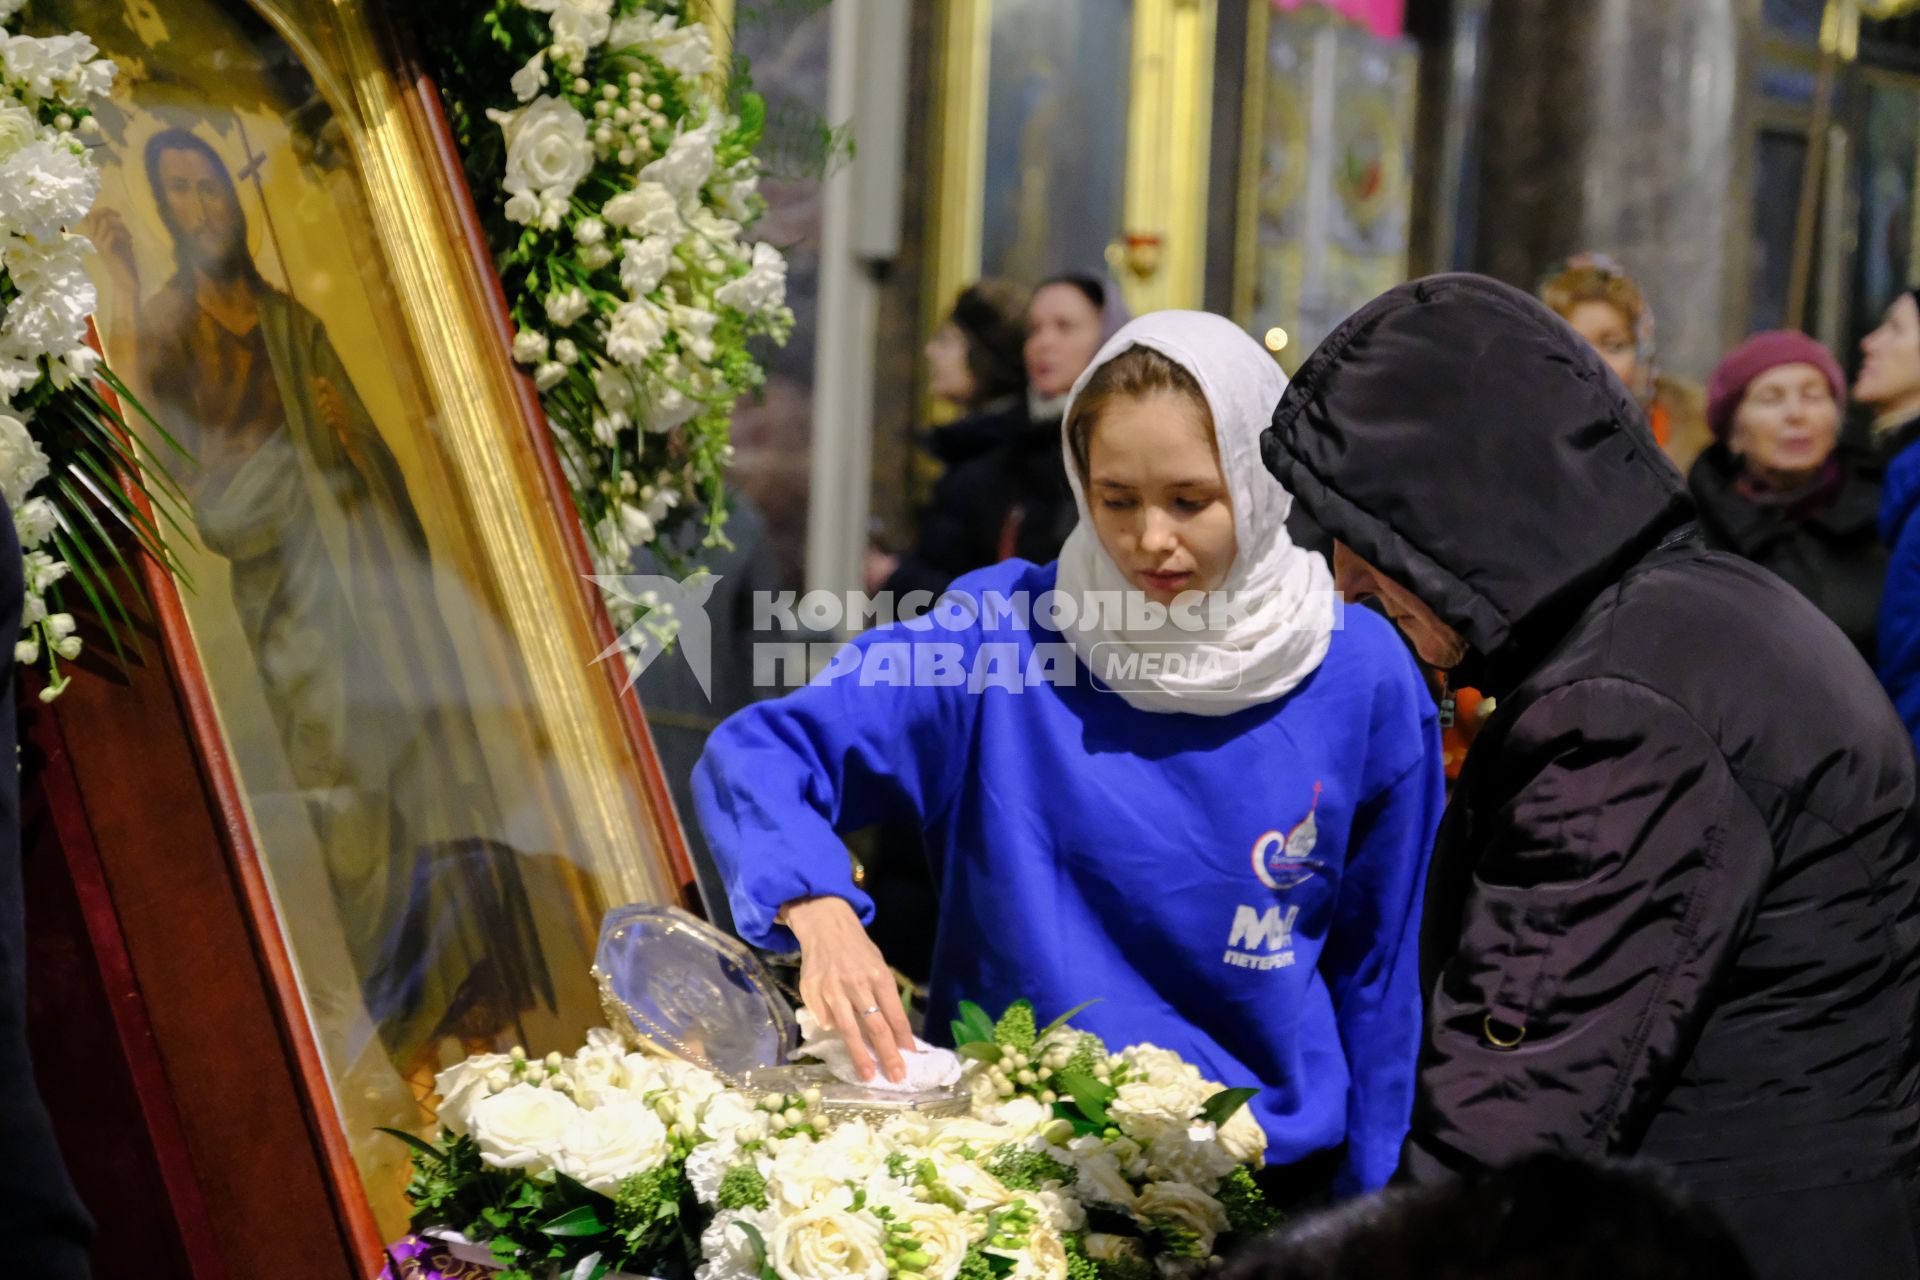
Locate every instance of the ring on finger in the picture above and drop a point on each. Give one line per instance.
(870, 1011)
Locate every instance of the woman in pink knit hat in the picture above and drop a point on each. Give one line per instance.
(1772, 489)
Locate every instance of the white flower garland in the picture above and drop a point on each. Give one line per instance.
(633, 288)
(47, 186)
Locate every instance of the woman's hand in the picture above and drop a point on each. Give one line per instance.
(846, 983)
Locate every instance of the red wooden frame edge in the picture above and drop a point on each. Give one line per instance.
(152, 1090)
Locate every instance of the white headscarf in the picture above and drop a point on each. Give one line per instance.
(1284, 639)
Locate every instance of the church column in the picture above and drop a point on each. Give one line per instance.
(1623, 126)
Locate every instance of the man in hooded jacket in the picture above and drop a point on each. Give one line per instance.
(1674, 907)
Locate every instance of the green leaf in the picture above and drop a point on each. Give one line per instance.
(581, 1221)
(418, 1143)
(979, 1025)
(758, 1243)
(1061, 1021)
(1088, 1093)
(962, 1034)
(979, 1050)
(590, 1268)
(1082, 1126)
(1221, 1106)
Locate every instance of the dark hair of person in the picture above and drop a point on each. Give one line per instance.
(1135, 372)
(1546, 1217)
(1091, 287)
(185, 140)
(992, 317)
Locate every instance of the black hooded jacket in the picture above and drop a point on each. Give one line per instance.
(1674, 909)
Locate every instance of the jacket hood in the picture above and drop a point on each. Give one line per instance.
(1461, 438)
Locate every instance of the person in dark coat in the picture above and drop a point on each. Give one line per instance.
(1674, 906)
(45, 1229)
(1773, 488)
(1004, 494)
(1889, 385)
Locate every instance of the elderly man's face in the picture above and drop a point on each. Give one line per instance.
(1438, 644)
(201, 209)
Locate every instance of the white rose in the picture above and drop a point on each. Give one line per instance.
(648, 209)
(608, 1143)
(763, 288)
(1044, 1258)
(644, 264)
(22, 464)
(828, 1243)
(522, 1127)
(805, 1172)
(687, 164)
(1182, 1205)
(943, 1236)
(529, 80)
(594, 256)
(1022, 1117)
(1162, 1091)
(956, 1138)
(728, 1117)
(549, 375)
(599, 1065)
(566, 306)
(727, 1252)
(465, 1083)
(547, 148)
(577, 25)
(590, 231)
(1244, 1139)
(637, 331)
(979, 1189)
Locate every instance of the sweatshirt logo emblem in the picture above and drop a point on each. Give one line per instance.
(1283, 860)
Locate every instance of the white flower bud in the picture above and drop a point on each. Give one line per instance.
(609, 92)
(580, 85)
(90, 126)
(655, 102)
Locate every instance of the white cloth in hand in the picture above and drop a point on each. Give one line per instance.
(928, 1068)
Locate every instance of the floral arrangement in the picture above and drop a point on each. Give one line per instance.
(1135, 1167)
(616, 184)
(68, 466)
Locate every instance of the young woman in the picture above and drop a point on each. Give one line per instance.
(1889, 385)
(1227, 854)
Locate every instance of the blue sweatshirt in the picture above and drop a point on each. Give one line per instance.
(1242, 889)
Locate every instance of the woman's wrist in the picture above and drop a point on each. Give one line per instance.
(805, 916)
